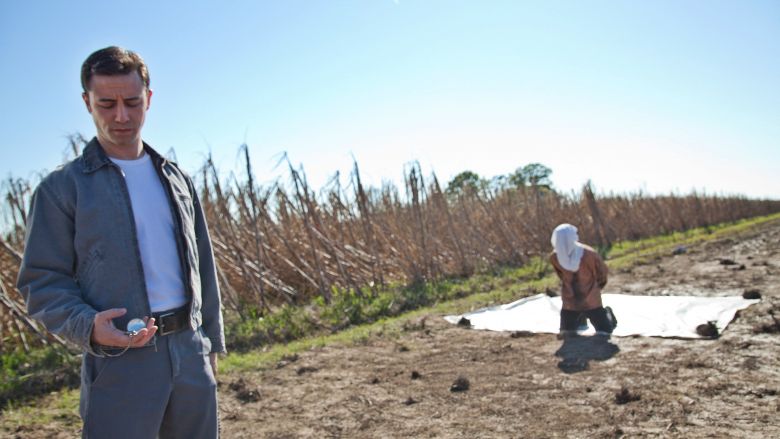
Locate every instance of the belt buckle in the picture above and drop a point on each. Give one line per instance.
(161, 323)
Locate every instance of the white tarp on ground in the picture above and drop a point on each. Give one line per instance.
(657, 316)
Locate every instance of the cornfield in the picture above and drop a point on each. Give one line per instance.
(288, 244)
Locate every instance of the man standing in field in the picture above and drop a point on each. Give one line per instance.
(117, 239)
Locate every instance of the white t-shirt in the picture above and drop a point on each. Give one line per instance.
(155, 229)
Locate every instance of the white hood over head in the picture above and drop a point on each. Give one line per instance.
(567, 248)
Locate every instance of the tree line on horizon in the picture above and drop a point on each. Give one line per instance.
(535, 175)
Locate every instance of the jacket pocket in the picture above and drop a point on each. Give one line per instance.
(205, 341)
(96, 368)
(85, 274)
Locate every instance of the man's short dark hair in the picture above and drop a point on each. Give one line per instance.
(113, 60)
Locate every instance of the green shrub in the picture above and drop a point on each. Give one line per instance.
(285, 324)
(26, 375)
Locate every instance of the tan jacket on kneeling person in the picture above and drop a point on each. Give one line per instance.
(581, 289)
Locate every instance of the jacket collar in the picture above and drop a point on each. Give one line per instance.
(95, 157)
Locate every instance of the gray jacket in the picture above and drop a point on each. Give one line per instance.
(81, 253)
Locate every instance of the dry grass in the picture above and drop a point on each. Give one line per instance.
(288, 244)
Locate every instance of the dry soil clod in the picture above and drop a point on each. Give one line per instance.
(245, 391)
(624, 396)
(286, 359)
(461, 384)
(464, 322)
(305, 369)
(768, 328)
(410, 401)
(707, 330)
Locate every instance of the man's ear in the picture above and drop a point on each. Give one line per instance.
(149, 93)
(85, 96)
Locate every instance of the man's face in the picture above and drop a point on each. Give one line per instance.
(118, 105)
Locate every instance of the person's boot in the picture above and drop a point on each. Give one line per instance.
(611, 317)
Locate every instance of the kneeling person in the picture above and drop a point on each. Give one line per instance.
(583, 275)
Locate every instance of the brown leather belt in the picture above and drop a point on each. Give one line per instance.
(173, 320)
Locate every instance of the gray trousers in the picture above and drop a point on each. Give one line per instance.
(165, 391)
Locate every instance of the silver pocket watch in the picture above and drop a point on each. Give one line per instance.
(134, 326)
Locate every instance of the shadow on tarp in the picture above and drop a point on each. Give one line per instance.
(577, 352)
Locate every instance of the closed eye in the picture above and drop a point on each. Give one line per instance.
(111, 103)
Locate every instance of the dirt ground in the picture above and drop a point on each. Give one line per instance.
(536, 386)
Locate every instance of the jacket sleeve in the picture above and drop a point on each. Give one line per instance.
(601, 272)
(554, 263)
(212, 303)
(47, 277)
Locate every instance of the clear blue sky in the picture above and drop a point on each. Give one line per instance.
(656, 95)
